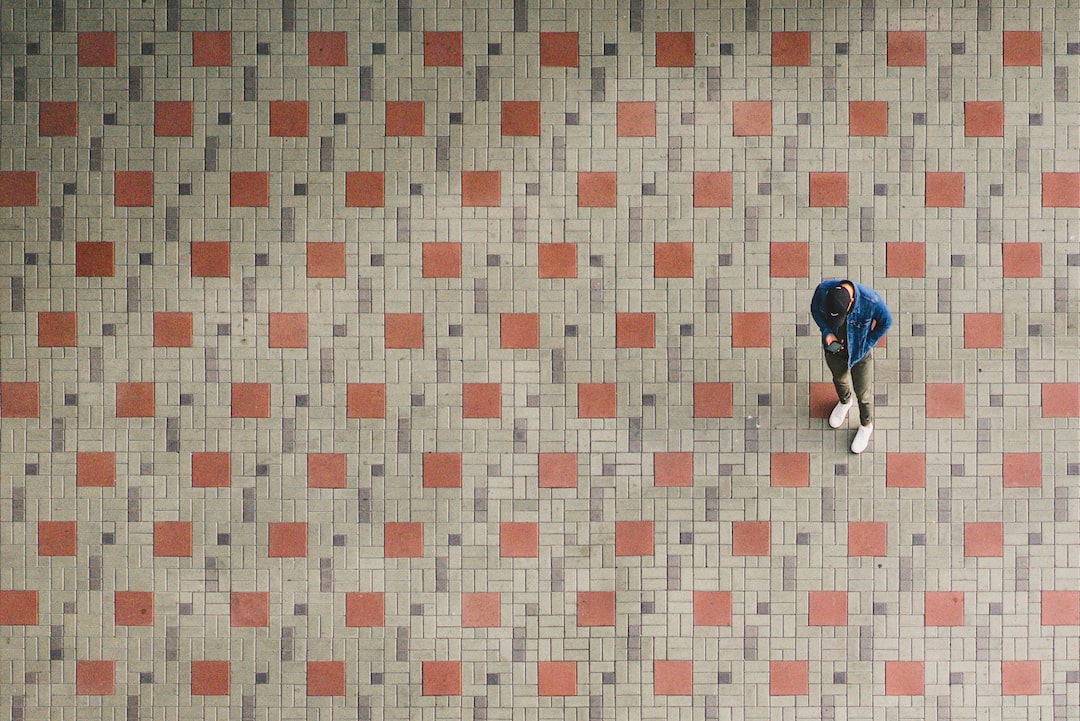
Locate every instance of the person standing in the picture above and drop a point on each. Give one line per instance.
(852, 318)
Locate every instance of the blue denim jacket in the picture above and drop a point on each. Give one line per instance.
(868, 307)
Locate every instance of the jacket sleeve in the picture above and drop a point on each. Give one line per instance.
(817, 311)
(883, 321)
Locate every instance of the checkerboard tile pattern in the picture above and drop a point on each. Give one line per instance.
(412, 359)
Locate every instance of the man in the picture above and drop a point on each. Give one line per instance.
(852, 318)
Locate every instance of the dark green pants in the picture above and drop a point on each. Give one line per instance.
(861, 375)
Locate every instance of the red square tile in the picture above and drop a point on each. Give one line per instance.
(58, 119)
(635, 330)
(904, 678)
(983, 540)
(326, 470)
(943, 608)
(481, 188)
(944, 190)
(1059, 190)
(822, 399)
(325, 678)
(519, 539)
(673, 678)
(596, 190)
(673, 469)
(557, 470)
(403, 330)
(982, 330)
(1021, 48)
(905, 260)
(634, 538)
(596, 608)
(789, 470)
(441, 260)
(789, 678)
(366, 400)
(673, 260)
(905, 470)
(288, 330)
(906, 48)
(364, 190)
(326, 260)
(867, 538)
(133, 608)
(750, 538)
(1021, 678)
(789, 260)
(944, 400)
(172, 539)
(173, 119)
(480, 610)
(19, 400)
(250, 400)
(519, 330)
(404, 118)
(712, 608)
(18, 188)
(95, 469)
(172, 330)
(97, 50)
(868, 118)
(481, 400)
(56, 538)
(18, 608)
(750, 330)
(635, 119)
(287, 540)
(712, 190)
(94, 260)
(249, 609)
(134, 400)
(442, 49)
(210, 259)
(557, 260)
(249, 190)
(365, 610)
(1021, 470)
(403, 540)
(520, 118)
(209, 678)
(828, 190)
(1021, 260)
(441, 678)
(1060, 400)
(442, 470)
(828, 608)
(327, 49)
(558, 50)
(596, 400)
(1060, 608)
(288, 119)
(751, 118)
(211, 469)
(790, 49)
(674, 50)
(94, 678)
(556, 678)
(211, 49)
(984, 119)
(712, 400)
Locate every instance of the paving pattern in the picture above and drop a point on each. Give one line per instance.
(403, 359)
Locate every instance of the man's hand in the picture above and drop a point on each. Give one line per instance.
(830, 339)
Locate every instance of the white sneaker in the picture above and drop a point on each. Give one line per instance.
(862, 438)
(839, 414)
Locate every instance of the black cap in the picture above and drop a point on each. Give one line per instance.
(837, 303)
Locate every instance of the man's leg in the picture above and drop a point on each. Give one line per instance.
(862, 374)
(841, 377)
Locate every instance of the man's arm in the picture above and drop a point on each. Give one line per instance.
(881, 323)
